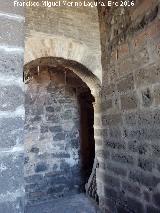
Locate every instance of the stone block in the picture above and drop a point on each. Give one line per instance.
(131, 188)
(11, 132)
(109, 204)
(115, 144)
(138, 147)
(34, 150)
(125, 66)
(107, 104)
(147, 196)
(100, 175)
(26, 160)
(109, 90)
(156, 199)
(65, 100)
(11, 97)
(122, 209)
(52, 118)
(67, 115)
(98, 132)
(36, 196)
(103, 154)
(147, 76)
(156, 95)
(44, 129)
(112, 74)
(53, 174)
(55, 167)
(31, 187)
(115, 132)
(56, 189)
(37, 187)
(65, 167)
(101, 165)
(11, 32)
(61, 155)
(110, 193)
(36, 118)
(41, 167)
(105, 133)
(130, 119)
(75, 170)
(55, 129)
(143, 178)
(98, 142)
(112, 119)
(135, 205)
(98, 121)
(141, 57)
(59, 137)
(145, 118)
(58, 180)
(123, 158)
(16, 206)
(50, 109)
(112, 181)
(156, 149)
(43, 156)
(11, 173)
(129, 102)
(126, 83)
(152, 209)
(146, 164)
(11, 64)
(117, 170)
(143, 134)
(35, 109)
(34, 178)
(123, 50)
(75, 143)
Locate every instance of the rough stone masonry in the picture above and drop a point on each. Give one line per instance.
(11, 108)
(130, 43)
(52, 138)
(129, 175)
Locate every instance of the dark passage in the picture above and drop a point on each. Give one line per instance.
(87, 134)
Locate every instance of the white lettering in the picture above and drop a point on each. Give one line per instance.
(102, 4)
(15, 3)
(26, 4)
(109, 3)
(116, 4)
(90, 4)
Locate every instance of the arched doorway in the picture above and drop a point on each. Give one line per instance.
(59, 135)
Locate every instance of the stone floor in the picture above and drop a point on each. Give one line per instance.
(78, 203)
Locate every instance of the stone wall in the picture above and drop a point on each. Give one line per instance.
(11, 108)
(129, 174)
(53, 162)
(67, 32)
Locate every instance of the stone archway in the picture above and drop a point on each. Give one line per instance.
(40, 45)
(34, 67)
(66, 41)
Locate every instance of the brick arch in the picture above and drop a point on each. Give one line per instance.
(38, 46)
(80, 70)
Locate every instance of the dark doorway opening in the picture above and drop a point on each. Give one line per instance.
(86, 134)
